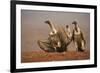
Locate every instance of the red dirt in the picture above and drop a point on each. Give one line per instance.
(40, 56)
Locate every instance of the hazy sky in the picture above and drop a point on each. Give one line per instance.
(33, 27)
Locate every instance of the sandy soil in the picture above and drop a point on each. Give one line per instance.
(41, 56)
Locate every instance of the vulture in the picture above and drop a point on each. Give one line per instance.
(57, 41)
(78, 37)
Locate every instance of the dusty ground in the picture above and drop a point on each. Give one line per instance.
(40, 56)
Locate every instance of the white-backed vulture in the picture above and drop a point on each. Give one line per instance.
(78, 37)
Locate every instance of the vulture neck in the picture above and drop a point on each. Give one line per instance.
(76, 28)
(53, 30)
